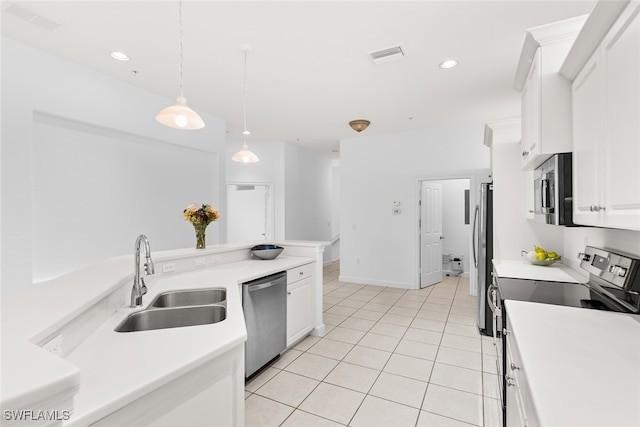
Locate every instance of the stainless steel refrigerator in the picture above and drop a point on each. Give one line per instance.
(483, 254)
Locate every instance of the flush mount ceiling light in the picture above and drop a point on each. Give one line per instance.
(179, 115)
(359, 125)
(120, 56)
(449, 63)
(245, 155)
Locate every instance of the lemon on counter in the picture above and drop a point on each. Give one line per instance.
(541, 256)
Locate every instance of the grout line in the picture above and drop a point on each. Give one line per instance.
(396, 295)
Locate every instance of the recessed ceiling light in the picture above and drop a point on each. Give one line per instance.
(449, 63)
(120, 56)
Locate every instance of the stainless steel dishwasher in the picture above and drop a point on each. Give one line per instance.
(264, 301)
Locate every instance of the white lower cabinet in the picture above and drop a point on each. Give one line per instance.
(211, 395)
(516, 412)
(299, 303)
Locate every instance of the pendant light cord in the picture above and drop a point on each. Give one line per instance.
(245, 132)
(180, 67)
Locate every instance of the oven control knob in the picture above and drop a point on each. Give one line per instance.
(616, 270)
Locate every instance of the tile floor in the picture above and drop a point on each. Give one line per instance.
(389, 357)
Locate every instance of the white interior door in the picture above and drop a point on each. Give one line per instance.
(249, 212)
(430, 234)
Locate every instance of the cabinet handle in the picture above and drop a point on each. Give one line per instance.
(288, 293)
(531, 211)
(514, 367)
(510, 381)
(597, 208)
(301, 273)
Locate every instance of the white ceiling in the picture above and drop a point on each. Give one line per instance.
(309, 72)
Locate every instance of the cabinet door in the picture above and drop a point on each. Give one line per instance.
(299, 310)
(531, 111)
(587, 102)
(529, 196)
(621, 56)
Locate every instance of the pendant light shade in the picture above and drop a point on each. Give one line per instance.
(245, 155)
(179, 115)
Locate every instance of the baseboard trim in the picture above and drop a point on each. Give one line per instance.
(363, 281)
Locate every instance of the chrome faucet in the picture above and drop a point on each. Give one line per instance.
(139, 287)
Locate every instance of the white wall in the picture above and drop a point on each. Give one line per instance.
(512, 231)
(307, 195)
(270, 169)
(335, 210)
(302, 182)
(455, 232)
(55, 105)
(376, 246)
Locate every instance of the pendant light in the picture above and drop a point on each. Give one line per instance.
(179, 115)
(245, 155)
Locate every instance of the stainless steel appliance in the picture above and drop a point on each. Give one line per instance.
(553, 193)
(483, 253)
(264, 301)
(613, 285)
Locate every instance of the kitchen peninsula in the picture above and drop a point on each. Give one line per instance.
(62, 360)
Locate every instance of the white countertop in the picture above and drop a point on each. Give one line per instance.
(522, 269)
(102, 366)
(118, 368)
(582, 366)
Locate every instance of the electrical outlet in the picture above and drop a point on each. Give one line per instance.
(168, 267)
(216, 259)
(199, 262)
(54, 346)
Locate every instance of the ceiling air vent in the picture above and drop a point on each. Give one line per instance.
(387, 55)
(31, 17)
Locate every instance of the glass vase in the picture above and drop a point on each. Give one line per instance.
(200, 235)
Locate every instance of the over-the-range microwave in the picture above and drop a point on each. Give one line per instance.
(553, 192)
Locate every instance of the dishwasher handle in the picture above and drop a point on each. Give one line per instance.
(252, 288)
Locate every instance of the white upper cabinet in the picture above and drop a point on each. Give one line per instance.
(546, 95)
(588, 112)
(606, 129)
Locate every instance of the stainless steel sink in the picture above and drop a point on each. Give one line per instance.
(165, 318)
(190, 297)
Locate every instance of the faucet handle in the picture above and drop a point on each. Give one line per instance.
(143, 287)
(148, 266)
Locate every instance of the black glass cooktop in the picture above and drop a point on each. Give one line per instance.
(558, 293)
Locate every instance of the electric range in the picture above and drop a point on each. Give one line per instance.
(613, 285)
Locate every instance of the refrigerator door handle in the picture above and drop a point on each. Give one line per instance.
(477, 238)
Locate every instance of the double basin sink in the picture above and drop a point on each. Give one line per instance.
(176, 309)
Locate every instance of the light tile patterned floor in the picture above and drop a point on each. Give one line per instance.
(390, 357)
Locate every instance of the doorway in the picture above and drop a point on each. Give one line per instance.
(250, 212)
(444, 229)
